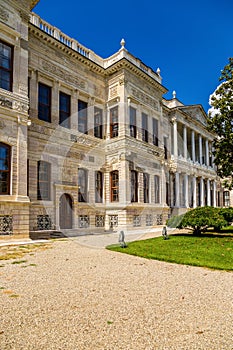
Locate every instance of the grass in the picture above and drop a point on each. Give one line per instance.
(210, 250)
(18, 252)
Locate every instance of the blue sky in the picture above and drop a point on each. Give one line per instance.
(190, 41)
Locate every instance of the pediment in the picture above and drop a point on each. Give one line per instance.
(196, 113)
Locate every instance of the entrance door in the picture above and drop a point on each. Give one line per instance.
(65, 211)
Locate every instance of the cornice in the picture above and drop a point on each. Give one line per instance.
(123, 63)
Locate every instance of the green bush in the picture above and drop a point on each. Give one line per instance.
(227, 213)
(201, 218)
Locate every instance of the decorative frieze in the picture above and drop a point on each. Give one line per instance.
(63, 75)
(4, 15)
(142, 97)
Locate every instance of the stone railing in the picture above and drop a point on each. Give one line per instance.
(75, 45)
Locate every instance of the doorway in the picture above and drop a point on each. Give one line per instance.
(65, 211)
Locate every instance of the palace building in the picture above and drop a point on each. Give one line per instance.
(90, 143)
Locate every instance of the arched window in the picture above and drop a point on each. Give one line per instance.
(134, 186)
(82, 185)
(43, 180)
(5, 168)
(114, 176)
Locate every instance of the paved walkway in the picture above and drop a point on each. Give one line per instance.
(94, 240)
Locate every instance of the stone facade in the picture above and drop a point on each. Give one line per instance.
(93, 143)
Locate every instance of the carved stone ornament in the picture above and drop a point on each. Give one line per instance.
(2, 124)
(20, 107)
(4, 15)
(141, 96)
(51, 68)
(4, 102)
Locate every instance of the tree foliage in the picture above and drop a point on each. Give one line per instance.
(201, 218)
(221, 123)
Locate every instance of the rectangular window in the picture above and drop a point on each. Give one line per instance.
(5, 168)
(64, 110)
(43, 180)
(82, 185)
(98, 123)
(146, 187)
(157, 189)
(114, 186)
(144, 127)
(6, 66)
(155, 132)
(226, 198)
(134, 186)
(114, 122)
(133, 127)
(165, 147)
(98, 187)
(82, 117)
(44, 102)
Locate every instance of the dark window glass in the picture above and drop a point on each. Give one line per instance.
(144, 127)
(133, 127)
(64, 110)
(5, 168)
(43, 180)
(134, 186)
(114, 122)
(82, 117)
(6, 66)
(155, 132)
(98, 122)
(98, 187)
(165, 147)
(146, 187)
(82, 185)
(44, 102)
(114, 186)
(157, 189)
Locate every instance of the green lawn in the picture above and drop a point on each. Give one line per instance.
(208, 250)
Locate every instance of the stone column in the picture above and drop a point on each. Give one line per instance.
(163, 187)
(193, 146)
(108, 123)
(207, 152)
(74, 110)
(194, 192)
(200, 149)
(214, 193)
(201, 192)
(208, 193)
(186, 191)
(177, 182)
(185, 146)
(175, 147)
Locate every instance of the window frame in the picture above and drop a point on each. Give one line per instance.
(146, 187)
(98, 124)
(6, 171)
(157, 188)
(114, 124)
(114, 183)
(145, 137)
(155, 126)
(10, 69)
(82, 185)
(41, 182)
(64, 113)
(98, 187)
(134, 186)
(41, 105)
(133, 121)
(82, 116)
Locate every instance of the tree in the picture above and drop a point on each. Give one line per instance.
(201, 218)
(220, 122)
